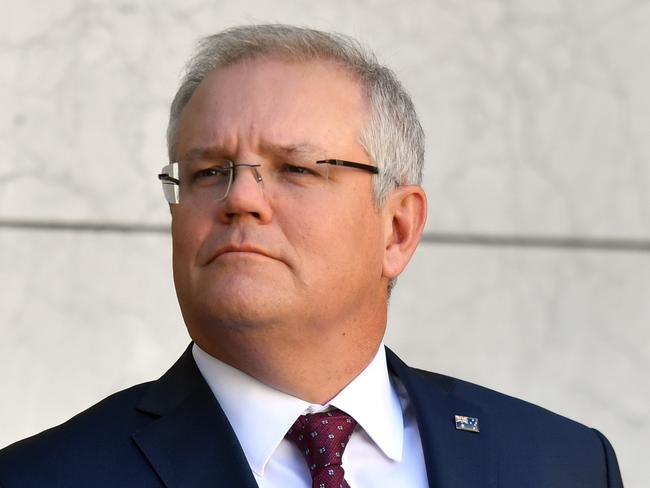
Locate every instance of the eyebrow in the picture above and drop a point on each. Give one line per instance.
(207, 152)
(298, 148)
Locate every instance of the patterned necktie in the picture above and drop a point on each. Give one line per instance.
(322, 437)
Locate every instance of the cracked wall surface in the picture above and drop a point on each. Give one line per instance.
(536, 115)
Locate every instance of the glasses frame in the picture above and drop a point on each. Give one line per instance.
(172, 195)
(350, 164)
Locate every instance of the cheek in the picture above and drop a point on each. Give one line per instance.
(310, 235)
(338, 239)
(187, 235)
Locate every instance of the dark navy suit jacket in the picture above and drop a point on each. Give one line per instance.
(173, 433)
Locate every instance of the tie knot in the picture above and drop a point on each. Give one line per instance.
(322, 438)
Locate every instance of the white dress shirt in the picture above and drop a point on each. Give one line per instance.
(384, 450)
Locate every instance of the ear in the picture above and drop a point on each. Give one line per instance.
(404, 216)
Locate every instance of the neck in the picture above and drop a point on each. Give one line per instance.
(314, 367)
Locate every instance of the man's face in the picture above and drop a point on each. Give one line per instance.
(264, 256)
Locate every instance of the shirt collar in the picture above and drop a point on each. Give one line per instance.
(261, 415)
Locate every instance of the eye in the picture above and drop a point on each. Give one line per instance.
(210, 172)
(299, 170)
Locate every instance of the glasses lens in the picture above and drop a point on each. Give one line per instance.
(205, 180)
(170, 183)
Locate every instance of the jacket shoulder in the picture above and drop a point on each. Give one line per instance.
(95, 440)
(532, 442)
(506, 410)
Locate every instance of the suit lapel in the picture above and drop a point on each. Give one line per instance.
(454, 458)
(190, 441)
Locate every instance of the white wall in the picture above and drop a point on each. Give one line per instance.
(537, 120)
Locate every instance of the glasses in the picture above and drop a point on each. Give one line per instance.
(205, 181)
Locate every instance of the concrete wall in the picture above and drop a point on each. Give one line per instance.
(534, 276)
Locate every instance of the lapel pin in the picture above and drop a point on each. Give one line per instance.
(470, 424)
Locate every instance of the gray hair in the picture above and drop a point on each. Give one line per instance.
(393, 136)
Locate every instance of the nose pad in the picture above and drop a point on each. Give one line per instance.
(257, 176)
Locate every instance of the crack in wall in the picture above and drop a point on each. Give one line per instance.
(440, 238)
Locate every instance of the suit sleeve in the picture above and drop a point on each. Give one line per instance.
(614, 479)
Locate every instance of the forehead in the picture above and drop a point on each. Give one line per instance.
(259, 101)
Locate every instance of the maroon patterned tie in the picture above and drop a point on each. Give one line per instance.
(322, 438)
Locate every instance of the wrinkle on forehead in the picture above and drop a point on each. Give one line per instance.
(236, 108)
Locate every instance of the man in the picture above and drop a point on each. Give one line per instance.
(295, 200)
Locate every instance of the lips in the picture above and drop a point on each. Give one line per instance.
(233, 249)
(240, 249)
(235, 240)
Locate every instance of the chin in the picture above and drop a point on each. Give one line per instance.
(240, 302)
(224, 324)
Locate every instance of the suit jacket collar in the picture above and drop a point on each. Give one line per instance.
(189, 441)
(453, 457)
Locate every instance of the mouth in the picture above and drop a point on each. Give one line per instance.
(242, 251)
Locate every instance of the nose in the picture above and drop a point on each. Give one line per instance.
(246, 197)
